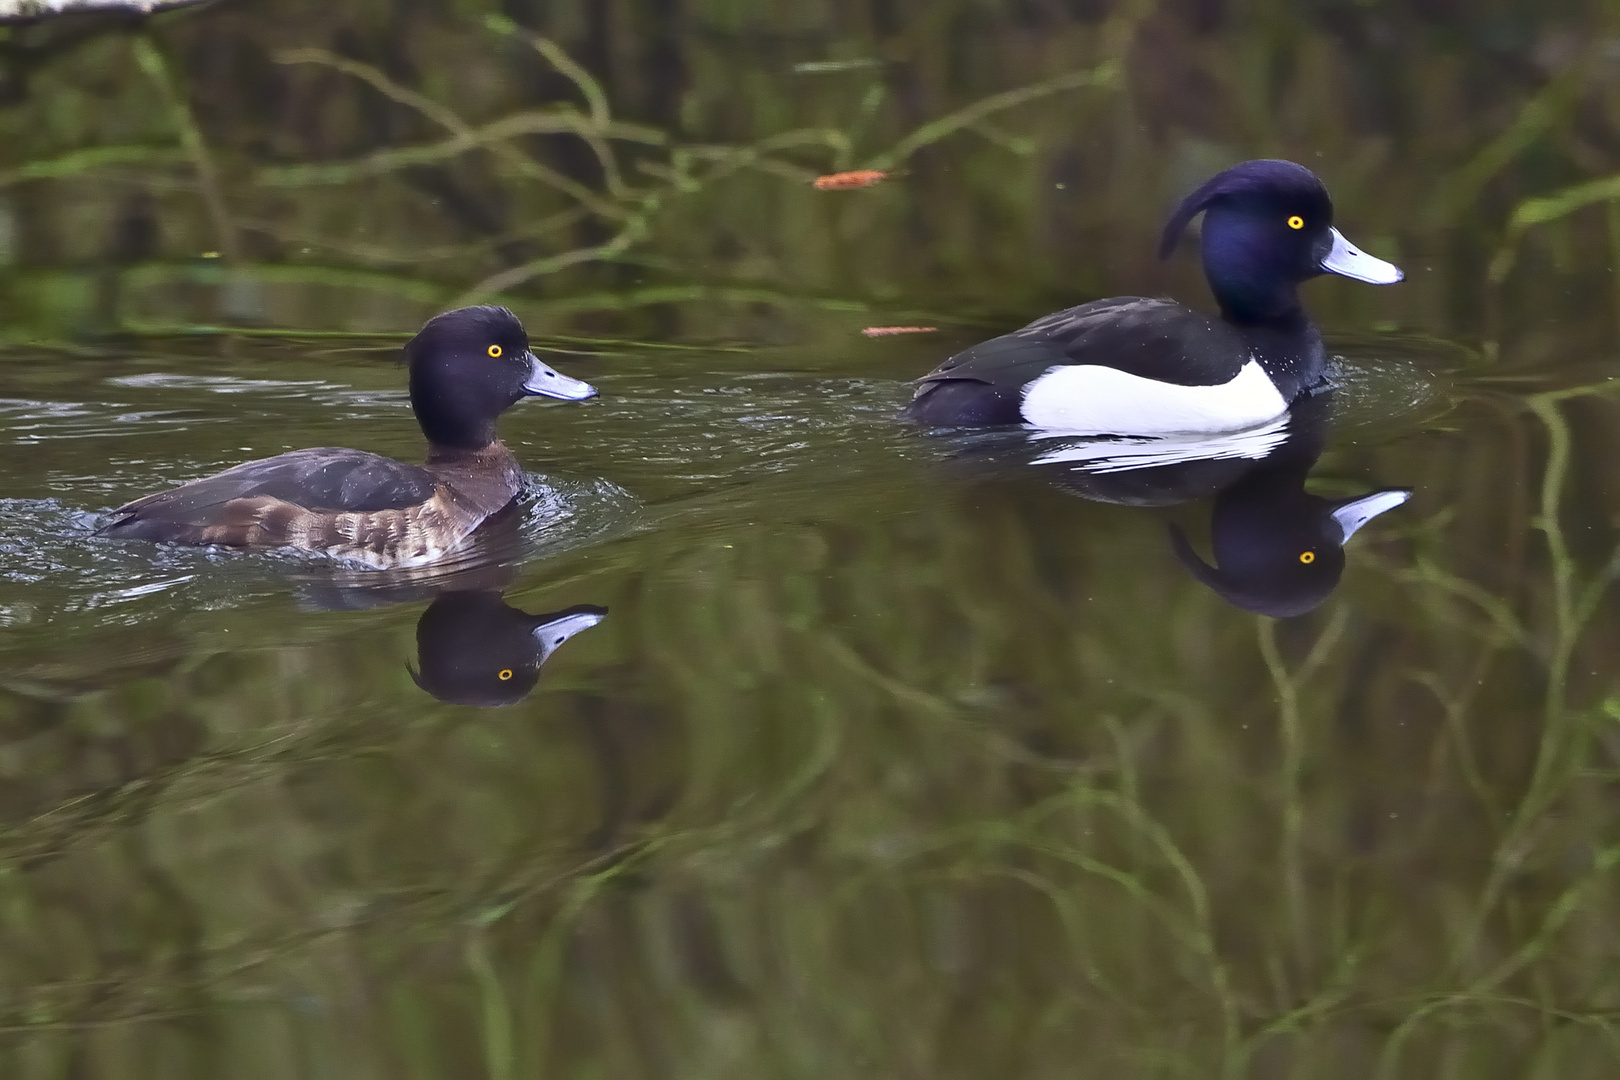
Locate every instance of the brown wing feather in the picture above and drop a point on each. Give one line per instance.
(381, 538)
(322, 478)
(334, 501)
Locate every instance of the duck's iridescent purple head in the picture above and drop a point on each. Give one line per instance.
(1268, 225)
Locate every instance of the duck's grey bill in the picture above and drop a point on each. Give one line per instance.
(1356, 513)
(548, 382)
(554, 633)
(1349, 261)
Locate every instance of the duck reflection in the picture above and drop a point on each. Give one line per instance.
(1277, 549)
(473, 648)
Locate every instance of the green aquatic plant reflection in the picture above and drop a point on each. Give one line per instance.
(915, 785)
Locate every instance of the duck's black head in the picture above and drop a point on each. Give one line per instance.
(470, 365)
(1268, 225)
(475, 649)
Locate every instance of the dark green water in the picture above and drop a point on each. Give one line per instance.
(886, 761)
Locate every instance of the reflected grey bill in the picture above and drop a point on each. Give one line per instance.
(554, 633)
(1349, 261)
(1353, 515)
(549, 382)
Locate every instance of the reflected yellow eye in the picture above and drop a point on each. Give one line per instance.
(495, 350)
(506, 673)
(1296, 222)
(1306, 557)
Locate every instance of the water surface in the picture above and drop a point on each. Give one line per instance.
(893, 754)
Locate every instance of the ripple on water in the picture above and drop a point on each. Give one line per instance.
(56, 566)
(666, 431)
(28, 422)
(357, 403)
(218, 384)
(1383, 389)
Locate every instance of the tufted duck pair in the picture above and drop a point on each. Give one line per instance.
(1124, 366)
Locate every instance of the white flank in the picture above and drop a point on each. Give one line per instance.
(1089, 399)
(1117, 455)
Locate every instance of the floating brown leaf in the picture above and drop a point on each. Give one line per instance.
(842, 180)
(887, 331)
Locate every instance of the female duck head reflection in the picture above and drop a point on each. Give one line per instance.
(1278, 550)
(475, 649)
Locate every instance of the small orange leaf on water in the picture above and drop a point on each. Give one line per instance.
(886, 331)
(838, 181)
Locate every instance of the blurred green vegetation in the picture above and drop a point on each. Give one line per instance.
(646, 166)
(868, 771)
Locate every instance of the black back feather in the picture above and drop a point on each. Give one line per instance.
(1155, 339)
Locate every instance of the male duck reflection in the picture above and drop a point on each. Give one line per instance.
(1135, 366)
(1279, 550)
(475, 649)
(466, 368)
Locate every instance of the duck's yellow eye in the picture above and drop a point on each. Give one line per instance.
(506, 672)
(1296, 222)
(1306, 557)
(495, 350)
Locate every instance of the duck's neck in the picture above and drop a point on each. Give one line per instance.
(451, 414)
(1242, 271)
(455, 453)
(1249, 299)
(1262, 304)
(1291, 354)
(488, 477)
(448, 435)
(1243, 305)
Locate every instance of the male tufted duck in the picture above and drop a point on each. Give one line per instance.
(1135, 366)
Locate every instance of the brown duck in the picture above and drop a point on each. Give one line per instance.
(466, 368)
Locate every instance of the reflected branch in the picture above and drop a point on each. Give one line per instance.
(635, 229)
(595, 97)
(489, 137)
(152, 63)
(1105, 76)
(1558, 751)
(92, 158)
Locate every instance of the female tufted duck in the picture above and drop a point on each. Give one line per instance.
(466, 368)
(474, 648)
